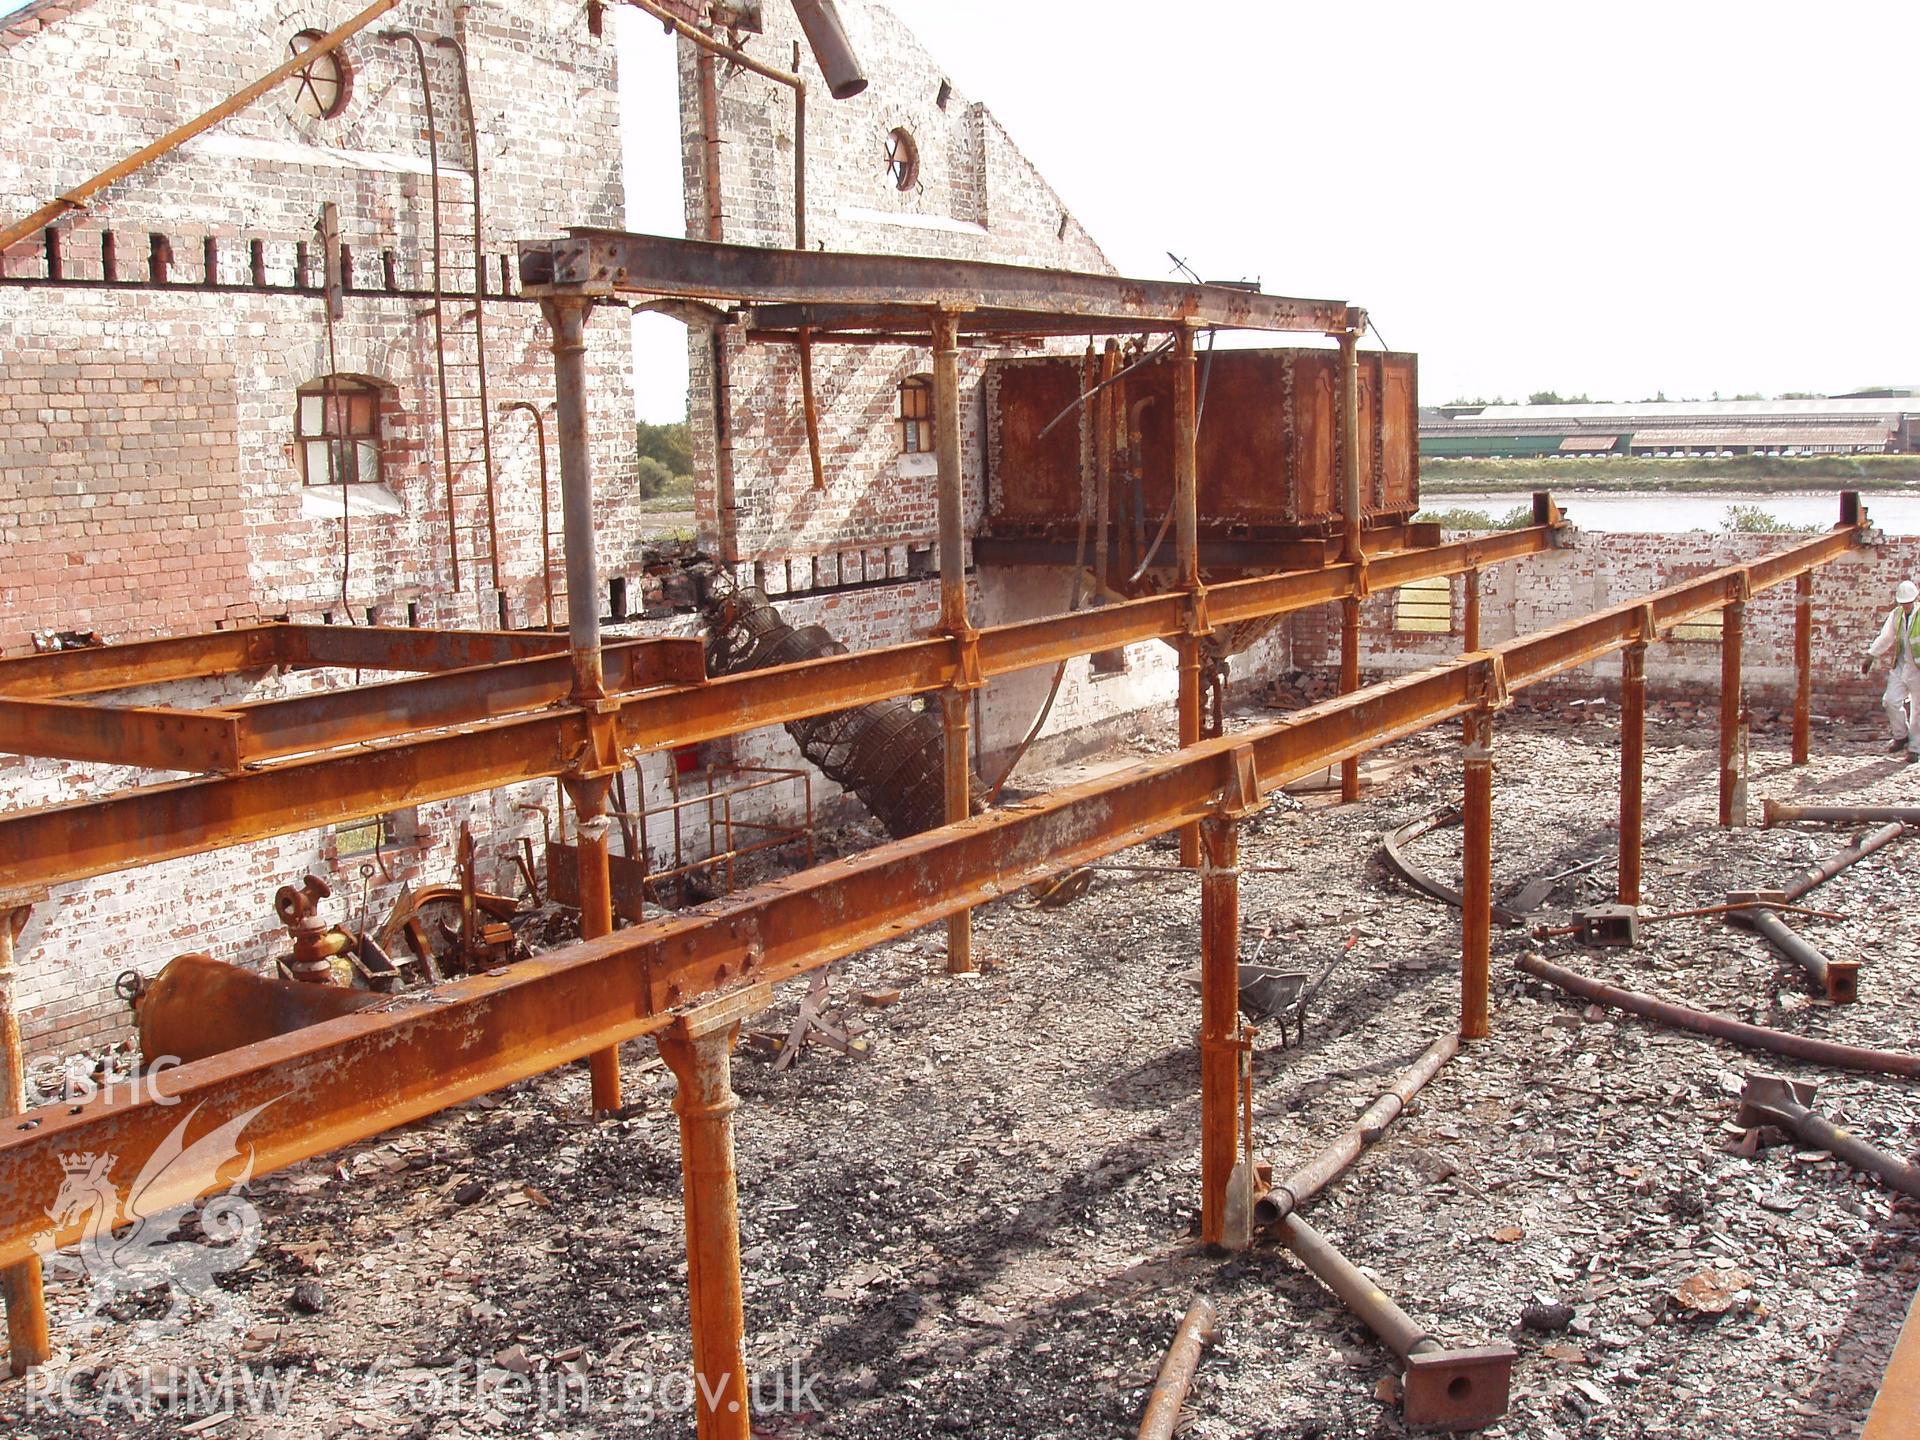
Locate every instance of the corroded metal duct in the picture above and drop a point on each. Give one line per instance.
(831, 48)
(887, 753)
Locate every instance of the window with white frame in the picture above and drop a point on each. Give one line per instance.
(337, 431)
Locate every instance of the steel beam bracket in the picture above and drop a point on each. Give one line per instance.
(1198, 621)
(1646, 627)
(724, 1013)
(1457, 1389)
(1240, 797)
(1489, 684)
(1740, 586)
(968, 674)
(1362, 580)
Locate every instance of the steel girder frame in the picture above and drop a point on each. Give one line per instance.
(73, 841)
(346, 1079)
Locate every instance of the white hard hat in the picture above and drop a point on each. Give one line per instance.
(1906, 592)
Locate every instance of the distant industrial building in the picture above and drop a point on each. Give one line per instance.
(1880, 422)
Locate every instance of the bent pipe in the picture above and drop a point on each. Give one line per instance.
(1839, 980)
(1774, 1100)
(1780, 812)
(1393, 850)
(1841, 859)
(1176, 1371)
(1326, 1167)
(1754, 1037)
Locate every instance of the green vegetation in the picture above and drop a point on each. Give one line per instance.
(1461, 518)
(663, 462)
(1754, 520)
(1549, 397)
(1452, 475)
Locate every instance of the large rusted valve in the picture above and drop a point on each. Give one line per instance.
(315, 943)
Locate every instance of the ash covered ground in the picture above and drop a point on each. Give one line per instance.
(985, 1227)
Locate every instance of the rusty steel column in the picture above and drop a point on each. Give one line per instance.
(593, 830)
(1353, 549)
(1220, 1043)
(1349, 682)
(1802, 666)
(1469, 619)
(699, 1054)
(1186, 513)
(1103, 472)
(957, 766)
(28, 1343)
(567, 314)
(1732, 780)
(1476, 881)
(1633, 750)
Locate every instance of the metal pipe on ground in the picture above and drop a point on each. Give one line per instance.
(1839, 980)
(1314, 1176)
(1775, 1100)
(1782, 812)
(1841, 859)
(1441, 1389)
(1756, 1037)
(1177, 1370)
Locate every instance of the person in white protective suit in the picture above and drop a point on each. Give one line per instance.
(1899, 638)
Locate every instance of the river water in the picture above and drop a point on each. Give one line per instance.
(1613, 510)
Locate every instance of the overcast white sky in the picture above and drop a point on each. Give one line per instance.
(1615, 200)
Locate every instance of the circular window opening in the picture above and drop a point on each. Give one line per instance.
(903, 160)
(322, 85)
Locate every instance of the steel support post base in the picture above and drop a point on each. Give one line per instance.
(1457, 1389)
(699, 1054)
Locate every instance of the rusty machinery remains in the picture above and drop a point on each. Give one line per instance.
(494, 709)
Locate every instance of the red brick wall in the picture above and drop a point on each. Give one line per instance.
(148, 482)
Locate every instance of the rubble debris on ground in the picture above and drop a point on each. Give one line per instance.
(985, 1227)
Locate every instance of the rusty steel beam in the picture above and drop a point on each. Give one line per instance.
(345, 1079)
(270, 729)
(67, 842)
(659, 265)
(364, 1073)
(62, 674)
(151, 823)
(1896, 1409)
(399, 647)
(196, 741)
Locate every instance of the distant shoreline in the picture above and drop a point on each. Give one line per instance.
(1745, 475)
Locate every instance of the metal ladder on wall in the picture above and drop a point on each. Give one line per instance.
(459, 332)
